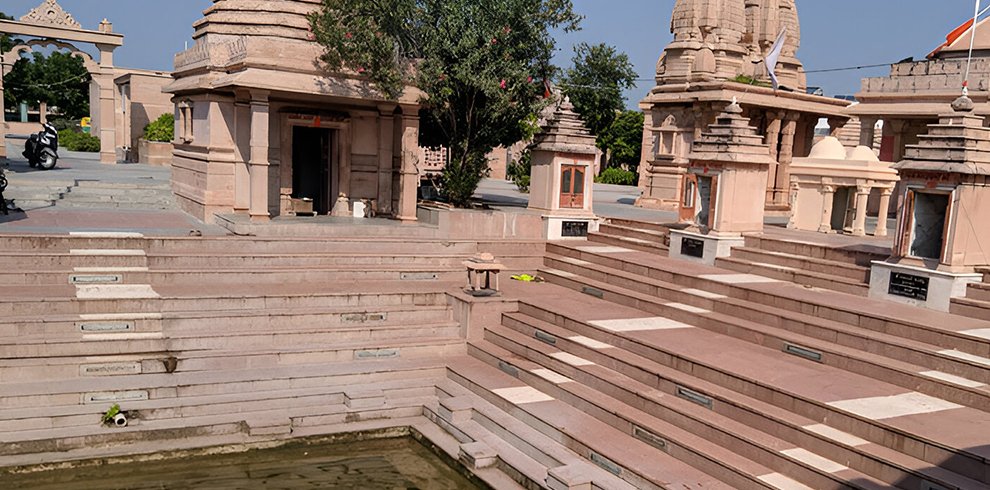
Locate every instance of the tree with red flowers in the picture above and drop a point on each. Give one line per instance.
(481, 63)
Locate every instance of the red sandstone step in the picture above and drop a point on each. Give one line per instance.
(611, 397)
(632, 243)
(634, 461)
(726, 314)
(660, 228)
(972, 308)
(845, 270)
(860, 455)
(859, 254)
(918, 324)
(796, 276)
(635, 232)
(948, 436)
(521, 446)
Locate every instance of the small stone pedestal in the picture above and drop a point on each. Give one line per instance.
(942, 235)
(482, 272)
(563, 175)
(724, 190)
(705, 249)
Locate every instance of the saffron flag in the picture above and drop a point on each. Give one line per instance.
(773, 56)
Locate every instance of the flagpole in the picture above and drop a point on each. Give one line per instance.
(972, 43)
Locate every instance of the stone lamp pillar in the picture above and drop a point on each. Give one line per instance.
(724, 189)
(561, 187)
(942, 236)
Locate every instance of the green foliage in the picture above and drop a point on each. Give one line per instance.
(63, 123)
(750, 81)
(616, 176)
(624, 139)
(110, 414)
(480, 64)
(162, 129)
(595, 84)
(519, 171)
(6, 42)
(75, 140)
(461, 178)
(60, 80)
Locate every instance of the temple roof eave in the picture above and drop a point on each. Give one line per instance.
(748, 95)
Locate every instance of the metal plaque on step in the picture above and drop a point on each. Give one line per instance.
(574, 229)
(106, 327)
(115, 396)
(110, 369)
(908, 286)
(419, 276)
(364, 355)
(91, 279)
(692, 247)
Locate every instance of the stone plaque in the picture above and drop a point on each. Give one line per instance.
(364, 355)
(605, 463)
(105, 327)
(908, 286)
(419, 276)
(574, 229)
(115, 396)
(91, 279)
(110, 369)
(364, 317)
(692, 247)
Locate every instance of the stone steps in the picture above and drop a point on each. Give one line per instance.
(532, 456)
(633, 243)
(861, 255)
(971, 390)
(796, 275)
(658, 228)
(633, 231)
(972, 308)
(952, 332)
(808, 390)
(674, 423)
(627, 372)
(636, 462)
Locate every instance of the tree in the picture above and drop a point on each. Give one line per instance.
(596, 83)
(480, 64)
(624, 138)
(59, 80)
(6, 42)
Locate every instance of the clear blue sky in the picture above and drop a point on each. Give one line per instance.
(835, 33)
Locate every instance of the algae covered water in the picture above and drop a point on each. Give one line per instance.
(392, 464)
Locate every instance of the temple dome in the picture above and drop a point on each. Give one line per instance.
(829, 148)
(862, 154)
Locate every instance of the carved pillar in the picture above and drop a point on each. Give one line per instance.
(828, 203)
(867, 131)
(649, 149)
(862, 198)
(885, 194)
(259, 156)
(107, 112)
(784, 159)
(774, 121)
(409, 172)
(835, 124)
(386, 148)
(795, 189)
(898, 127)
(242, 152)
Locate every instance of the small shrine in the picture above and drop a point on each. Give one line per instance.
(940, 239)
(830, 190)
(563, 158)
(724, 189)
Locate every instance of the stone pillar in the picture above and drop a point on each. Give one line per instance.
(881, 230)
(828, 203)
(43, 112)
(774, 121)
(242, 142)
(409, 173)
(386, 148)
(898, 128)
(867, 131)
(835, 124)
(862, 198)
(784, 159)
(107, 112)
(259, 156)
(795, 189)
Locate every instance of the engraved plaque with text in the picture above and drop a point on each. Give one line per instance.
(692, 247)
(908, 286)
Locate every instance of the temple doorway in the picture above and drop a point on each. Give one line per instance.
(843, 210)
(312, 162)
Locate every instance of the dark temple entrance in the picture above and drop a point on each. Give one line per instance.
(312, 177)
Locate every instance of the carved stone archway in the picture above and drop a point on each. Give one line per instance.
(50, 25)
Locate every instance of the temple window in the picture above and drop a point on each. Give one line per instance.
(929, 211)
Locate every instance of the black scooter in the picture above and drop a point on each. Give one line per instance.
(41, 149)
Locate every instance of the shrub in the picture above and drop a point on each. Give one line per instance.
(74, 140)
(161, 130)
(519, 171)
(63, 123)
(461, 178)
(616, 176)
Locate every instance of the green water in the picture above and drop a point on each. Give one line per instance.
(394, 464)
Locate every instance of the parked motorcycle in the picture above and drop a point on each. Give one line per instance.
(3, 186)
(41, 149)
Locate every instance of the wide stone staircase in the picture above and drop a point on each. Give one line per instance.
(668, 374)
(976, 303)
(637, 235)
(29, 194)
(222, 340)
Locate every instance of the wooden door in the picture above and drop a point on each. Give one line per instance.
(689, 199)
(571, 186)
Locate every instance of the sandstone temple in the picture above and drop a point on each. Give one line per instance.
(718, 49)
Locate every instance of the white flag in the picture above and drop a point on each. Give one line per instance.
(773, 56)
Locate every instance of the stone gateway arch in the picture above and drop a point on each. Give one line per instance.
(50, 25)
